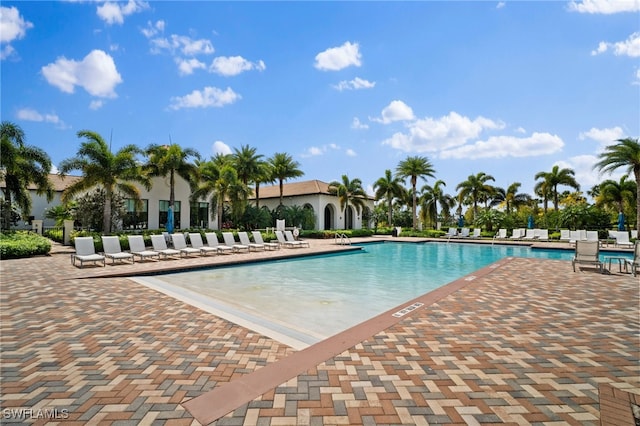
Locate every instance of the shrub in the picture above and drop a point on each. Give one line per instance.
(18, 244)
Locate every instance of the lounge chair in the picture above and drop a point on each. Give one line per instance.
(113, 251)
(476, 233)
(634, 264)
(577, 235)
(452, 233)
(465, 232)
(634, 233)
(138, 248)
(289, 236)
(530, 234)
(179, 243)
(86, 252)
(212, 241)
(244, 240)
(622, 239)
(257, 237)
(195, 238)
(160, 245)
(587, 252)
(502, 233)
(592, 236)
(565, 235)
(517, 233)
(543, 234)
(230, 241)
(284, 242)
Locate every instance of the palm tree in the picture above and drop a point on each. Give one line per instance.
(543, 190)
(387, 188)
(414, 168)
(348, 191)
(20, 166)
(555, 177)
(247, 164)
(431, 197)
(102, 168)
(171, 160)
(626, 154)
(283, 167)
(616, 194)
(475, 188)
(263, 175)
(510, 197)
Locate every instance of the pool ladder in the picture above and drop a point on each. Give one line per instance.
(342, 239)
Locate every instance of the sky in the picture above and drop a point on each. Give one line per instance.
(346, 88)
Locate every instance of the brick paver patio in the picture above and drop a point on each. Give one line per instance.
(526, 341)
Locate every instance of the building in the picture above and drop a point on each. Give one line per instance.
(312, 194)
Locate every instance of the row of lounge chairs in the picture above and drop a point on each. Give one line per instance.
(588, 252)
(523, 234)
(85, 247)
(464, 233)
(620, 238)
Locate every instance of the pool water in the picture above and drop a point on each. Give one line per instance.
(312, 298)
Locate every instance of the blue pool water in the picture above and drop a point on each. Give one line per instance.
(315, 297)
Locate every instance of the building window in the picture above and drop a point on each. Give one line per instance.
(164, 208)
(199, 215)
(137, 216)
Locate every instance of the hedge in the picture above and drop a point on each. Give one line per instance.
(17, 244)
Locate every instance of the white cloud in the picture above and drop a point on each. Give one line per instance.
(186, 66)
(234, 65)
(355, 84)
(96, 104)
(500, 5)
(604, 137)
(205, 98)
(435, 134)
(356, 124)
(585, 174)
(315, 151)
(183, 44)
(350, 152)
(637, 78)
(114, 12)
(153, 29)
(30, 114)
(395, 111)
(629, 47)
(220, 147)
(12, 27)
(508, 146)
(337, 58)
(96, 73)
(605, 7)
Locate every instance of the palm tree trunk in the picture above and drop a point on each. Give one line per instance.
(257, 195)
(414, 181)
(106, 217)
(281, 191)
(636, 172)
(390, 211)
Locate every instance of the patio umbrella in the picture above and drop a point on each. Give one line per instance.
(169, 225)
(461, 221)
(530, 222)
(620, 221)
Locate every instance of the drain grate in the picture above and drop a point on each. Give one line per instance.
(404, 311)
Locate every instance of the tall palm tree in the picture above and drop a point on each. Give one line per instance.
(20, 166)
(171, 160)
(263, 175)
(387, 188)
(348, 191)
(475, 188)
(543, 190)
(555, 177)
(616, 194)
(102, 168)
(247, 164)
(624, 154)
(283, 167)
(414, 168)
(431, 197)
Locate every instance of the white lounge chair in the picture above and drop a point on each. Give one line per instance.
(113, 251)
(577, 235)
(257, 237)
(634, 233)
(452, 233)
(502, 233)
(592, 236)
(622, 239)
(160, 245)
(543, 234)
(476, 233)
(230, 241)
(634, 264)
(530, 234)
(196, 242)
(138, 248)
(289, 236)
(517, 233)
(284, 242)
(587, 252)
(86, 252)
(465, 232)
(180, 243)
(212, 241)
(244, 240)
(565, 235)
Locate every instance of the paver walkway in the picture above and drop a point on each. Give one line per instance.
(529, 342)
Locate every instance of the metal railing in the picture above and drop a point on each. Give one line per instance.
(342, 239)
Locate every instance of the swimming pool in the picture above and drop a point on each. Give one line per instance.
(309, 299)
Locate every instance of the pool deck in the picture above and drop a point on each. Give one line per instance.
(522, 341)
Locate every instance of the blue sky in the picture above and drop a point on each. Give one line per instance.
(505, 88)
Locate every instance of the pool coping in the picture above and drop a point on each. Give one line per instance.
(222, 400)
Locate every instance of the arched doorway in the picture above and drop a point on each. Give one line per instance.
(329, 217)
(348, 223)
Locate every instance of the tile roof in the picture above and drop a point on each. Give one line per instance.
(59, 183)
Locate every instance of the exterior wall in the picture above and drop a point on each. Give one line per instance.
(39, 205)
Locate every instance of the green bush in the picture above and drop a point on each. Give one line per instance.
(328, 234)
(55, 234)
(18, 244)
